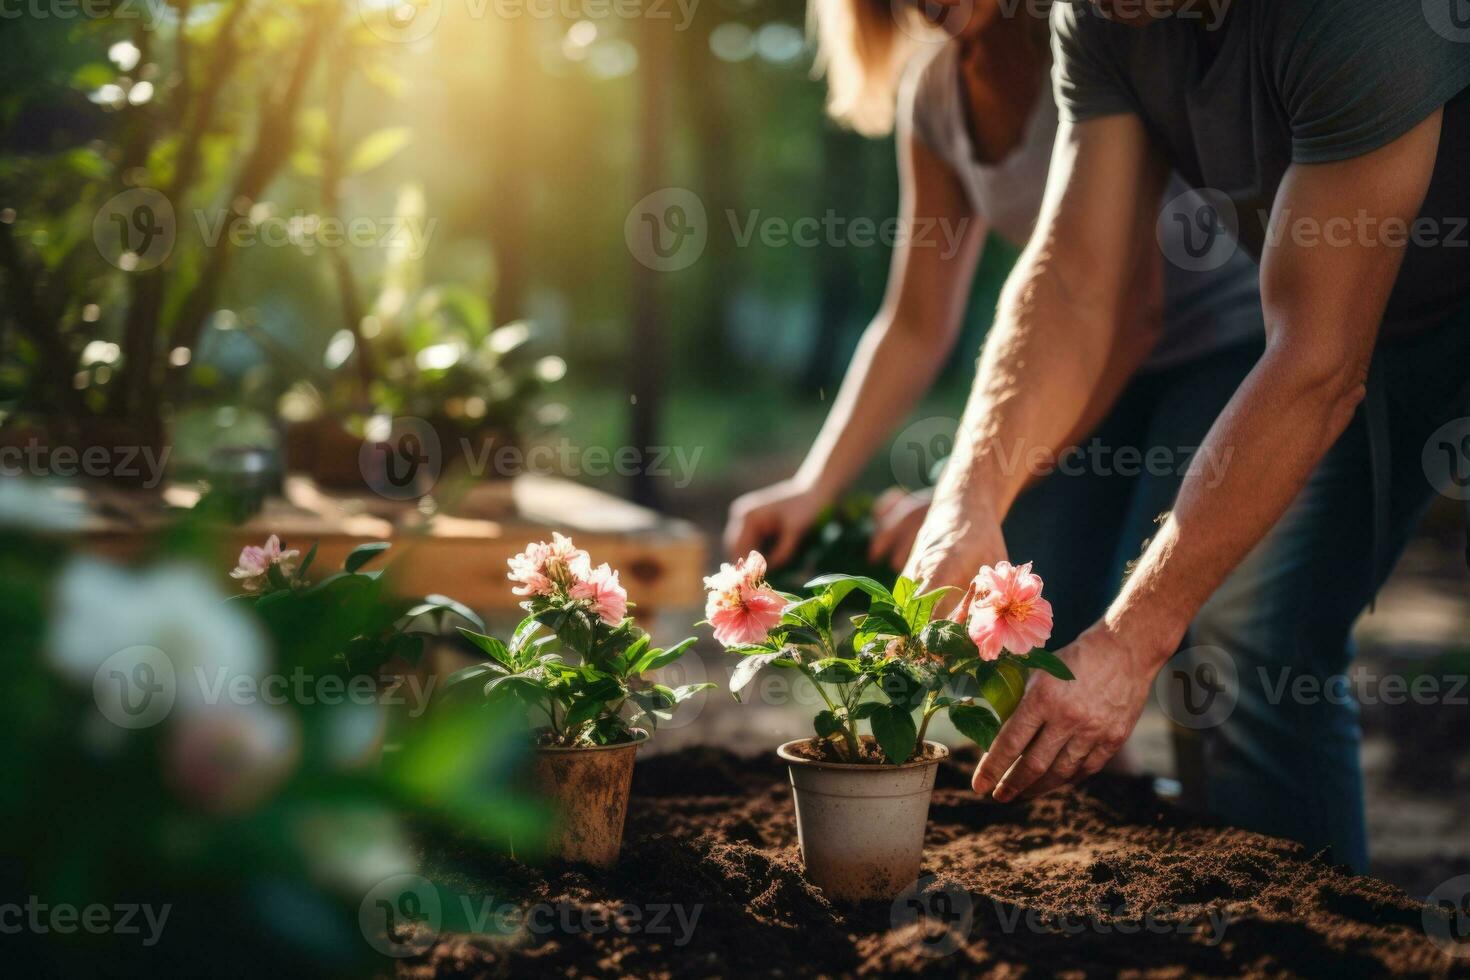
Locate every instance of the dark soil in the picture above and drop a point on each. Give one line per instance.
(1092, 882)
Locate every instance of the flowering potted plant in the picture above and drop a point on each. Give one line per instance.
(349, 620)
(899, 662)
(581, 714)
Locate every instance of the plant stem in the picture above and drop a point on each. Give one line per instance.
(854, 747)
(929, 712)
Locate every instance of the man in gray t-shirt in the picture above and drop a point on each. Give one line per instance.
(1333, 138)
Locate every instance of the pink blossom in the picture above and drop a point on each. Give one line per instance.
(600, 585)
(741, 607)
(253, 568)
(1006, 610)
(544, 567)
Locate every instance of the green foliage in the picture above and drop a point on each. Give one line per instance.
(349, 621)
(246, 817)
(595, 699)
(898, 661)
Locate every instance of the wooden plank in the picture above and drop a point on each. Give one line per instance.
(661, 560)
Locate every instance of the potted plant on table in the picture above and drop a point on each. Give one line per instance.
(898, 667)
(581, 713)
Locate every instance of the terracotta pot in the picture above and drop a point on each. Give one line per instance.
(861, 827)
(589, 789)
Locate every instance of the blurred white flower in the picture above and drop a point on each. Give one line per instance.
(230, 759)
(166, 621)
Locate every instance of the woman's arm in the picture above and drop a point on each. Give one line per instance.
(897, 359)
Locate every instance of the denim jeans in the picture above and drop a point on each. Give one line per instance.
(1277, 761)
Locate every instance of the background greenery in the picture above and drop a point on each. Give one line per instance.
(525, 141)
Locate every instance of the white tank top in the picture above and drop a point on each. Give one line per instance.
(1203, 311)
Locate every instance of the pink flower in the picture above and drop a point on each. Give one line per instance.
(600, 586)
(544, 568)
(1006, 610)
(253, 567)
(741, 607)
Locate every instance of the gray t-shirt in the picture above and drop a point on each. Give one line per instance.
(1204, 309)
(1233, 104)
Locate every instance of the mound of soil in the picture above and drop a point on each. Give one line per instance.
(1087, 882)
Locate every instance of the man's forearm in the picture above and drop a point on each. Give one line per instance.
(1260, 453)
(1043, 363)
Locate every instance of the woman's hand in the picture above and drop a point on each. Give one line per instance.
(773, 518)
(955, 540)
(897, 517)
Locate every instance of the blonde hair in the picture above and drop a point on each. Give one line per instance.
(862, 49)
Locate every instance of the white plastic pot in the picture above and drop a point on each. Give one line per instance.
(861, 827)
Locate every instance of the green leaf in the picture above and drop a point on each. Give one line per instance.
(903, 591)
(649, 707)
(872, 587)
(884, 618)
(497, 650)
(1049, 662)
(363, 554)
(655, 659)
(902, 684)
(471, 672)
(635, 651)
(276, 577)
(442, 603)
(575, 631)
(976, 722)
(893, 727)
(827, 724)
(583, 711)
(836, 670)
(684, 692)
(865, 710)
(378, 148)
(920, 609)
(800, 635)
(1003, 688)
(305, 565)
(746, 670)
(524, 632)
(949, 640)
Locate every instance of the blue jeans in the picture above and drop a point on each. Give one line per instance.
(1279, 762)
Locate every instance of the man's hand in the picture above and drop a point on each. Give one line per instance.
(1068, 730)
(774, 517)
(956, 539)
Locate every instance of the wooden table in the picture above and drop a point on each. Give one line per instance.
(460, 550)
